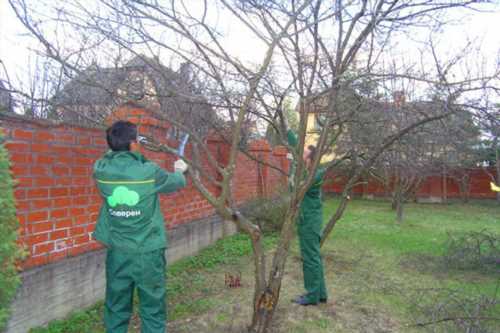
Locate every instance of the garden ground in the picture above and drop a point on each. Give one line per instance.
(381, 277)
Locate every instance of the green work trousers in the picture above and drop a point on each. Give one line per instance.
(125, 272)
(309, 232)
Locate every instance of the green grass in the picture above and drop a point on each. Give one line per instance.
(380, 275)
(188, 287)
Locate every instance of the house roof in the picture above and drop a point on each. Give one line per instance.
(98, 86)
(175, 92)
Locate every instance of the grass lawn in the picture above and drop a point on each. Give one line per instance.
(381, 277)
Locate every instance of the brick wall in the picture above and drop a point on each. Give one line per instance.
(433, 186)
(58, 203)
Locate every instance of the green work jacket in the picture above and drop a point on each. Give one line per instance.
(130, 218)
(311, 208)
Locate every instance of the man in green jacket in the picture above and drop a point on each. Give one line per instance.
(132, 228)
(309, 226)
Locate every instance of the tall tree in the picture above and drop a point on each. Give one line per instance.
(310, 48)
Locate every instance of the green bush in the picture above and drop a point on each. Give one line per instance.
(268, 214)
(9, 250)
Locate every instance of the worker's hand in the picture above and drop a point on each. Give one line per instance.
(289, 156)
(180, 166)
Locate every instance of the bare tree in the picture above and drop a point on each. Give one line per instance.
(310, 48)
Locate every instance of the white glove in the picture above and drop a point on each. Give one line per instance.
(289, 156)
(180, 166)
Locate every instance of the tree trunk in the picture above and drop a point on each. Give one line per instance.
(338, 214)
(497, 155)
(399, 210)
(264, 311)
(464, 189)
(445, 185)
(266, 299)
(394, 202)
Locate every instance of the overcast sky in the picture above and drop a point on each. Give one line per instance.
(478, 26)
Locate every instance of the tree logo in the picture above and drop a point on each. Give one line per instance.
(123, 196)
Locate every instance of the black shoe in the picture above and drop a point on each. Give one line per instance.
(323, 300)
(302, 300)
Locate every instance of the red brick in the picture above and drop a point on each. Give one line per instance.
(79, 171)
(77, 250)
(20, 170)
(58, 213)
(81, 239)
(60, 171)
(44, 181)
(62, 202)
(20, 194)
(21, 158)
(39, 170)
(66, 138)
(44, 159)
(81, 201)
(38, 216)
(64, 181)
(58, 234)
(22, 205)
(40, 148)
(75, 211)
(84, 161)
(64, 159)
(95, 245)
(36, 239)
(41, 227)
(58, 192)
(78, 190)
(82, 219)
(94, 209)
(63, 244)
(57, 255)
(74, 231)
(67, 223)
(17, 146)
(82, 181)
(100, 142)
(43, 248)
(41, 204)
(24, 182)
(86, 151)
(84, 141)
(44, 136)
(22, 134)
(38, 193)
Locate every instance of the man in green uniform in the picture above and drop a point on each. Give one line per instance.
(131, 226)
(309, 226)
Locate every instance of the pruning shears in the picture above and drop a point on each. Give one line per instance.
(182, 145)
(180, 150)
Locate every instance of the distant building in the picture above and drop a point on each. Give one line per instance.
(367, 121)
(93, 94)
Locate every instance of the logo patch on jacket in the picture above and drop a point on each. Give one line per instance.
(123, 196)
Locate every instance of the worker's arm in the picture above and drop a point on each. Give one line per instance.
(168, 182)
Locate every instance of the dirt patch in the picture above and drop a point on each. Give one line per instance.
(231, 309)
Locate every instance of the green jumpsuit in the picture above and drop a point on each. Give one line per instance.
(309, 226)
(131, 226)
